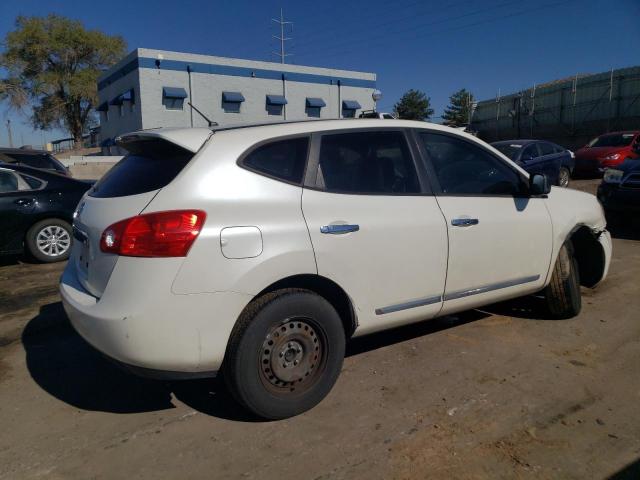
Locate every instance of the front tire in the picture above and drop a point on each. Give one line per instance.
(49, 240)
(563, 292)
(285, 353)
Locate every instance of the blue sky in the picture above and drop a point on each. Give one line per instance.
(435, 46)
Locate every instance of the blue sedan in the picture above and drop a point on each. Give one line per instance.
(538, 156)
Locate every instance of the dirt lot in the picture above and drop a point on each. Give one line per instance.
(498, 393)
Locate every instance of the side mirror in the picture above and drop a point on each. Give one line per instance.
(539, 184)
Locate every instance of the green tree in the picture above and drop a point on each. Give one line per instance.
(457, 114)
(414, 105)
(52, 65)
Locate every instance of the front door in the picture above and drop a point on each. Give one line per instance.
(375, 231)
(500, 241)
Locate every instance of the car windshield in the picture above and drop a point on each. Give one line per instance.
(509, 149)
(615, 140)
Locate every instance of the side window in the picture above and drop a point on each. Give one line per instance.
(529, 153)
(284, 159)
(367, 162)
(557, 149)
(546, 148)
(32, 182)
(8, 182)
(464, 168)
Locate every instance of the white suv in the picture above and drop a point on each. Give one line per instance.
(260, 250)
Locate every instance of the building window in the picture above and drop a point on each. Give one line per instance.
(231, 101)
(313, 106)
(103, 108)
(275, 104)
(130, 98)
(349, 108)
(173, 97)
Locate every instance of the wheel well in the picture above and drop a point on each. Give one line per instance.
(327, 289)
(589, 255)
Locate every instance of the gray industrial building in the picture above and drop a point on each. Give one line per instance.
(153, 88)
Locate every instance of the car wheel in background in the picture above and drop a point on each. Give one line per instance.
(563, 292)
(49, 240)
(564, 177)
(285, 353)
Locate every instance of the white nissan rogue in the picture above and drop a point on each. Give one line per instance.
(258, 251)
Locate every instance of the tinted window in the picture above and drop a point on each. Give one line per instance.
(546, 148)
(34, 160)
(8, 182)
(464, 168)
(613, 140)
(558, 148)
(33, 183)
(510, 150)
(367, 162)
(150, 165)
(529, 152)
(284, 159)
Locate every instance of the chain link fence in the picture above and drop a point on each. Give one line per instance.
(569, 112)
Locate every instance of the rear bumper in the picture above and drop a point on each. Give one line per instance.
(149, 330)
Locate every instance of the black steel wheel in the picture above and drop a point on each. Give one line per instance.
(285, 353)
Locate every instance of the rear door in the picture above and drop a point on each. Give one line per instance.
(122, 193)
(17, 201)
(376, 229)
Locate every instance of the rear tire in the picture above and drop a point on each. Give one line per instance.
(49, 240)
(563, 292)
(564, 177)
(285, 353)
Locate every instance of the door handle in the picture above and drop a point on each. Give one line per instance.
(23, 202)
(339, 229)
(464, 222)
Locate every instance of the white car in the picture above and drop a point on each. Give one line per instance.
(258, 251)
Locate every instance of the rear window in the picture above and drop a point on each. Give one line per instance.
(613, 140)
(35, 160)
(150, 165)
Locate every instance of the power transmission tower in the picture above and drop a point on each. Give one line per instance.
(281, 38)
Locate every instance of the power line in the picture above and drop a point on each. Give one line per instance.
(405, 30)
(281, 38)
(368, 28)
(449, 29)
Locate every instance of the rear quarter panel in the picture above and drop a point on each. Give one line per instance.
(234, 197)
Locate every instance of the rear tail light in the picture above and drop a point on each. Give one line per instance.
(158, 234)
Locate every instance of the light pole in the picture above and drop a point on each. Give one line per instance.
(376, 95)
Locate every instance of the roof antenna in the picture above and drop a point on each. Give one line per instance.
(210, 122)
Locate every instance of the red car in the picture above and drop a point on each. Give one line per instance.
(607, 151)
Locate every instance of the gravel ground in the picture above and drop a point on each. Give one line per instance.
(496, 393)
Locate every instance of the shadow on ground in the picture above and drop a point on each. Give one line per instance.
(68, 368)
(6, 260)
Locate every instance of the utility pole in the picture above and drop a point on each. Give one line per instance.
(9, 132)
(281, 38)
